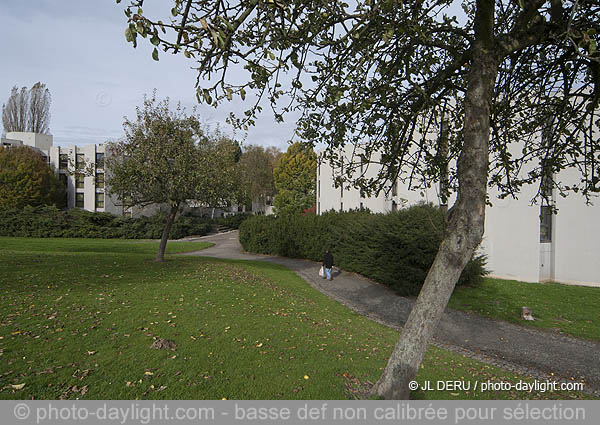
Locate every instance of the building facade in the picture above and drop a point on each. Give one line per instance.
(555, 240)
(81, 169)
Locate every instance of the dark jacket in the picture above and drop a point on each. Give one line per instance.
(328, 260)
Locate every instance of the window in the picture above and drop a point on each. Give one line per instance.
(99, 200)
(341, 206)
(341, 191)
(79, 161)
(546, 189)
(546, 223)
(79, 200)
(99, 180)
(100, 160)
(63, 179)
(395, 188)
(79, 181)
(361, 206)
(63, 161)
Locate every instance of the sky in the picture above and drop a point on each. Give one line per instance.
(78, 49)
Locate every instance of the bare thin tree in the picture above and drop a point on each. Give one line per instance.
(39, 109)
(27, 110)
(15, 112)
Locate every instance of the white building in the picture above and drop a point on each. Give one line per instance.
(85, 189)
(523, 241)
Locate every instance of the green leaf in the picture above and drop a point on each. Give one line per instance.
(155, 40)
(206, 95)
(187, 54)
(174, 11)
(243, 94)
(155, 54)
(228, 93)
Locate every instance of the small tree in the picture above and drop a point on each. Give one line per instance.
(167, 158)
(26, 179)
(295, 179)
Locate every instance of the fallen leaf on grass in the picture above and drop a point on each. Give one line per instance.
(17, 386)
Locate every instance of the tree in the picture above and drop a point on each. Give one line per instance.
(256, 173)
(27, 110)
(518, 82)
(26, 179)
(295, 179)
(39, 109)
(15, 111)
(167, 158)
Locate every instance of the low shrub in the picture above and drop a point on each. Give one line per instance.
(50, 222)
(395, 249)
(233, 221)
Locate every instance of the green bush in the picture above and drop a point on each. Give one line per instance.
(233, 221)
(394, 249)
(50, 222)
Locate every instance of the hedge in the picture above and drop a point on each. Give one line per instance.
(395, 249)
(50, 222)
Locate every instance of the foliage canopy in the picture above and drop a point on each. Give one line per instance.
(26, 179)
(166, 157)
(295, 179)
(383, 75)
(517, 82)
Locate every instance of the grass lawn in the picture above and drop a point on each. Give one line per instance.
(567, 309)
(78, 317)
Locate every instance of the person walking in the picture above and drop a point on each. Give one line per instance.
(327, 264)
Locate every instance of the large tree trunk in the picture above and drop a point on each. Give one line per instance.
(160, 256)
(465, 219)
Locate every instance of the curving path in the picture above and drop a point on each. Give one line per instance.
(541, 354)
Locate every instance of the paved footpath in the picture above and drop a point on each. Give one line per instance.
(541, 354)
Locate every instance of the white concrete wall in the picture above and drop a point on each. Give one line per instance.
(10, 142)
(512, 229)
(511, 239)
(331, 198)
(36, 140)
(576, 237)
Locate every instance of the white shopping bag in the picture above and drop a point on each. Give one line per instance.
(321, 272)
